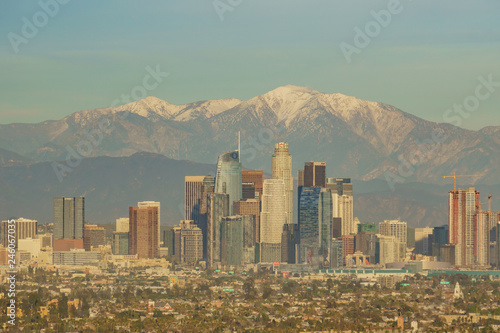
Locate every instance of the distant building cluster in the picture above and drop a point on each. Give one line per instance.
(240, 218)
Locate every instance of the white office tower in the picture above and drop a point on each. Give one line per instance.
(282, 169)
(343, 208)
(272, 219)
(145, 204)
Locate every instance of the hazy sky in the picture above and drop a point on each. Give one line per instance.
(425, 60)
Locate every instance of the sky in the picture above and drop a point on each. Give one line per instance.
(424, 57)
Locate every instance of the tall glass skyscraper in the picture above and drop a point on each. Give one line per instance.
(69, 217)
(217, 208)
(325, 220)
(228, 177)
(309, 227)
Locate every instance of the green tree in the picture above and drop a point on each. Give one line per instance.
(63, 307)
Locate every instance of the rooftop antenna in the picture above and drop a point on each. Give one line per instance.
(239, 146)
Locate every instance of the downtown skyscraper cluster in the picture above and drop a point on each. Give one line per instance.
(246, 219)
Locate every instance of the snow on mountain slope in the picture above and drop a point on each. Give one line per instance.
(205, 109)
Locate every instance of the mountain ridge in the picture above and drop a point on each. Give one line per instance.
(366, 139)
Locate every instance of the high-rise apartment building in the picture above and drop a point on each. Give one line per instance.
(315, 174)
(24, 228)
(228, 177)
(282, 169)
(193, 186)
(343, 207)
(145, 204)
(348, 246)
(272, 219)
(463, 206)
(143, 231)
(325, 217)
(196, 191)
(337, 253)
(69, 217)
(388, 249)
(481, 239)
(218, 207)
(394, 228)
(191, 243)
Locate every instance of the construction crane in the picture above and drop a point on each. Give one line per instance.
(455, 176)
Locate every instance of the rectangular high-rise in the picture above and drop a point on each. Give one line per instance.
(143, 232)
(463, 206)
(272, 219)
(145, 204)
(237, 240)
(196, 191)
(191, 243)
(25, 228)
(282, 169)
(193, 186)
(218, 207)
(394, 228)
(95, 236)
(315, 174)
(69, 217)
(309, 223)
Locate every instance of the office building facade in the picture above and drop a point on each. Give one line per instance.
(315, 174)
(69, 217)
(282, 169)
(143, 232)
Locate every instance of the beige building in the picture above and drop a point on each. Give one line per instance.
(24, 228)
(390, 249)
(282, 169)
(422, 243)
(122, 224)
(394, 228)
(191, 243)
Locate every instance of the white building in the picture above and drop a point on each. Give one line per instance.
(272, 219)
(343, 207)
(394, 228)
(29, 245)
(282, 169)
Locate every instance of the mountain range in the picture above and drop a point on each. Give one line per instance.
(367, 141)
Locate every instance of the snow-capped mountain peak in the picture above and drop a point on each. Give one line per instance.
(151, 106)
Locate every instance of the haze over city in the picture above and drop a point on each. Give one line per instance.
(249, 166)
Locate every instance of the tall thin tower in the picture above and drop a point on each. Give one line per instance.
(282, 169)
